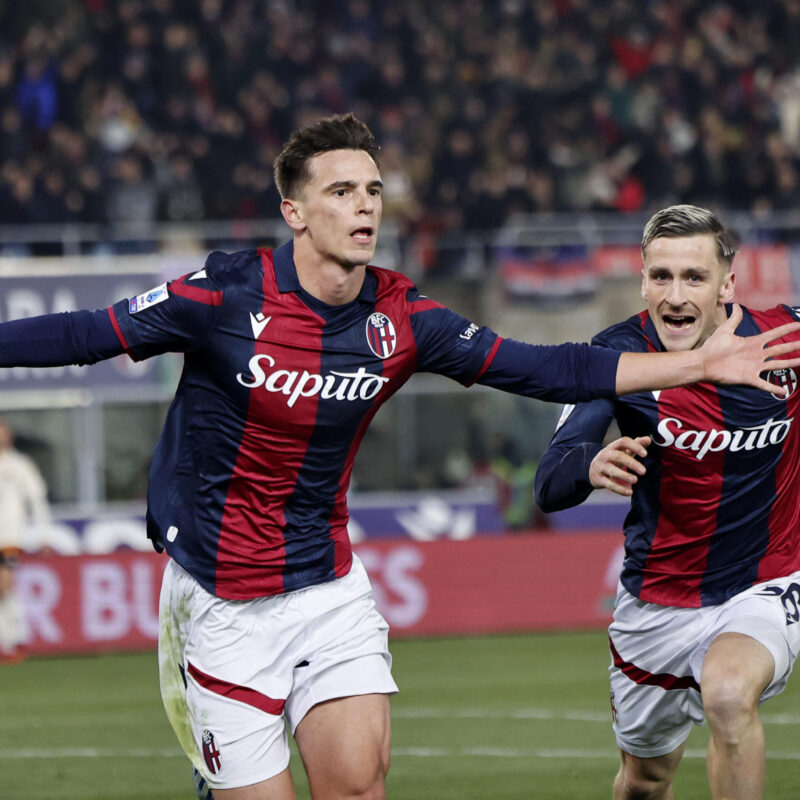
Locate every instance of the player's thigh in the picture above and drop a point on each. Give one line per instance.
(736, 671)
(651, 721)
(226, 671)
(346, 744)
(345, 647)
(765, 616)
(655, 696)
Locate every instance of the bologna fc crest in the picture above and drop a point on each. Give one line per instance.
(211, 752)
(783, 377)
(381, 335)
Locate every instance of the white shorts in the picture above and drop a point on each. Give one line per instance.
(231, 671)
(657, 656)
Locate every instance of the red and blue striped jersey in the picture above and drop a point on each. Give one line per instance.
(249, 479)
(718, 507)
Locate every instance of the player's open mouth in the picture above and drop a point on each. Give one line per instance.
(362, 234)
(678, 322)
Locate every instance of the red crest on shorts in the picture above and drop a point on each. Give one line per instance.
(614, 709)
(211, 752)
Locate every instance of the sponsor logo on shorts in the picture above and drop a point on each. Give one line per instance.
(211, 752)
(770, 433)
(789, 597)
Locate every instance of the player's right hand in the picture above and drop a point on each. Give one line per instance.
(729, 358)
(616, 466)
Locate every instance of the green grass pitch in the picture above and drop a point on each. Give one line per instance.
(478, 718)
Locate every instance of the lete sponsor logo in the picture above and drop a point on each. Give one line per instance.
(757, 437)
(358, 385)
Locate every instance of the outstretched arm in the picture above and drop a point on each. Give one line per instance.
(55, 340)
(723, 358)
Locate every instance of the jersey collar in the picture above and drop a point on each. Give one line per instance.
(652, 334)
(287, 280)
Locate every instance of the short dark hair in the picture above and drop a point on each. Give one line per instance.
(687, 220)
(338, 132)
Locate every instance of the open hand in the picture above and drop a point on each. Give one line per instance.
(728, 358)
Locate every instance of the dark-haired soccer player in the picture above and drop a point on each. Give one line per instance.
(707, 620)
(266, 614)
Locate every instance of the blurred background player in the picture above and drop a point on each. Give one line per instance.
(266, 614)
(707, 620)
(23, 502)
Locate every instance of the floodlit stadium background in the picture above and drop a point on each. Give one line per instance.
(524, 146)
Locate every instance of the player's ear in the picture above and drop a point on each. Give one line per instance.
(726, 291)
(644, 286)
(293, 214)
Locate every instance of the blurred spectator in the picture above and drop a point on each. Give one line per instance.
(181, 196)
(36, 95)
(490, 108)
(132, 196)
(514, 479)
(23, 502)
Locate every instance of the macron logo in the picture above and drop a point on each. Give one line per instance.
(258, 322)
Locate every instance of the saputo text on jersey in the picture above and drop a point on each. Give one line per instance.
(756, 437)
(359, 385)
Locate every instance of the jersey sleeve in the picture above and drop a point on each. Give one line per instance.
(451, 345)
(57, 340)
(562, 477)
(174, 317)
(565, 373)
(448, 343)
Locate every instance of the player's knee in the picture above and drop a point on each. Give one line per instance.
(357, 789)
(376, 792)
(371, 786)
(729, 708)
(639, 787)
(729, 696)
(355, 782)
(641, 781)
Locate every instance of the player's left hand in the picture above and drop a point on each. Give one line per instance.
(728, 358)
(617, 466)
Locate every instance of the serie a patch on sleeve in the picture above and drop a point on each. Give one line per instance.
(147, 299)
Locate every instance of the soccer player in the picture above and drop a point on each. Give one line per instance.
(266, 614)
(707, 618)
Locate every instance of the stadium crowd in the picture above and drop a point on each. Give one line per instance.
(137, 111)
